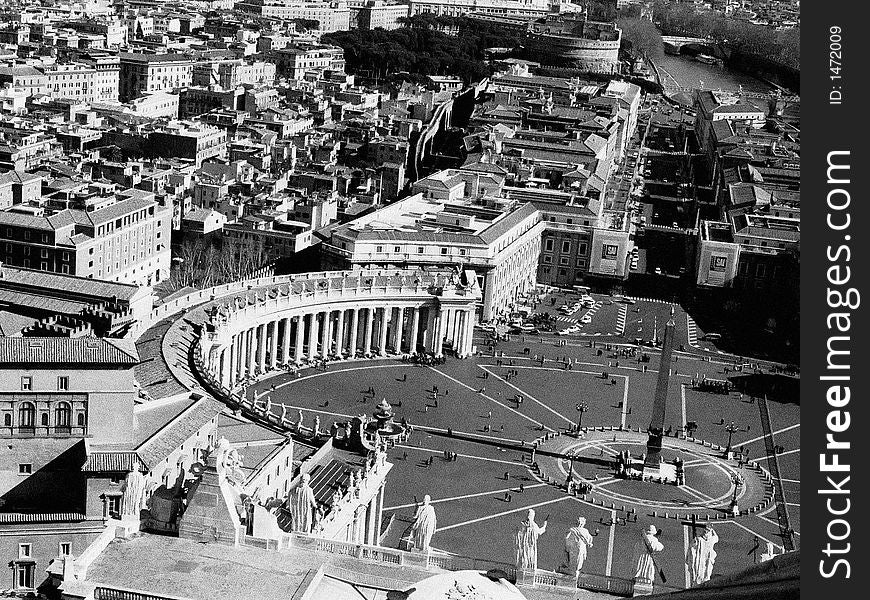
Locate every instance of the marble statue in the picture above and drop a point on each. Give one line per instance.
(299, 422)
(769, 552)
(316, 425)
(424, 525)
(133, 500)
(283, 412)
(268, 405)
(644, 551)
(702, 555)
(527, 542)
(577, 542)
(303, 505)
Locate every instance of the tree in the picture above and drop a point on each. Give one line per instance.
(642, 36)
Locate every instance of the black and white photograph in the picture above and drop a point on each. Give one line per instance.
(426, 300)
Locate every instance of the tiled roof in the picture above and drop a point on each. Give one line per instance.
(178, 431)
(69, 284)
(110, 462)
(54, 350)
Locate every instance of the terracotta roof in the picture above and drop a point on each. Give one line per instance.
(110, 462)
(86, 350)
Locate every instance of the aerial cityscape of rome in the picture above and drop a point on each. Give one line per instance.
(399, 299)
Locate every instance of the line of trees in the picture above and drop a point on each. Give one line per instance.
(203, 263)
(683, 19)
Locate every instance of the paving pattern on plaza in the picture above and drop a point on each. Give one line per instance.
(481, 497)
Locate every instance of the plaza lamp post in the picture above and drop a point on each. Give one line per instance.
(582, 407)
(737, 480)
(730, 429)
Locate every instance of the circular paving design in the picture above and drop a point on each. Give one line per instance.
(709, 477)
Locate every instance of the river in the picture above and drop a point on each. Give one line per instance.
(682, 71)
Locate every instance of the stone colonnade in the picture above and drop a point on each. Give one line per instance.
(305, 335)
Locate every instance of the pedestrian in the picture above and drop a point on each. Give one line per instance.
(489, 414)
(506, 475)
(507, 497)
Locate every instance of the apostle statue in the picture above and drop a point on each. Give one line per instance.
(133, 499)
(424, 525)
(702, 555)
(644, 551)
(527, 542)
(303, 505)
(577, 542)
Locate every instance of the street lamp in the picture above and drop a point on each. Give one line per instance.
(582, 407)
(737, 480)
(730, 429)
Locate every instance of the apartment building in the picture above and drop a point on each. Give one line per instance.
(152, 73)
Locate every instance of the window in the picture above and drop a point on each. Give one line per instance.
(563, 260)
(43, 419)
(80, 419)
(25, 551)
(113, 505)
(24, 575)
(7, 420)
(566, 247)
(62, 417)
(379, 248)
(65, 549)
(419, 249)
(397, 248)
(26, 415)
(582, 248)
(25, 468)
(63, 383)
(563, 272)
(443, 251)
(548, 245)
(548, 259)
(462, 252)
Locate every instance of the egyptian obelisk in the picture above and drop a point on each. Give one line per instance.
(657, 422)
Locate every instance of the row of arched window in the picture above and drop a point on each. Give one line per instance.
(27, 417)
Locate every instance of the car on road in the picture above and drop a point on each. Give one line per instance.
(625, 300)
(712, 337)
(586, 319)
(486, 327)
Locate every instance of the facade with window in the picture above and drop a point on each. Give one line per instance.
(55, 393)
(452, 221)
(125, 239)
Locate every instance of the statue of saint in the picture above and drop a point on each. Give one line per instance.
(283, 412)
(299, 422)
(303, 505)
(577, 542)
(527, 542)
(316, 425)
(644, 550)
(702, 555)
(424, 525)
(133, 499)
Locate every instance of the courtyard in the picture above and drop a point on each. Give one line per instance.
(490, 409)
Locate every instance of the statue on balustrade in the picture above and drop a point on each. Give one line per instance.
(702, 555)
(133, 500)
(577, 542)
(424, 525)
(527, 542)
(303, 505)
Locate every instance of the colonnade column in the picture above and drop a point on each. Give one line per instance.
(398, 329)
(261, 347)
(354, 331)
(231, 365)
(431, 329)
(382, 342)
(440, 326)
(312, 335)
(469, 331)
(326, 338)
(370, 322)
(339, 334)
(285, 341)
(415, 326)
(239, 344)
(273, 350)
(250, 350)
(300, 338)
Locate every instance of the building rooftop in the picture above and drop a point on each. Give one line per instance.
(99, 352)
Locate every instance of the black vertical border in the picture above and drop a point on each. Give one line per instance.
(827, 127)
